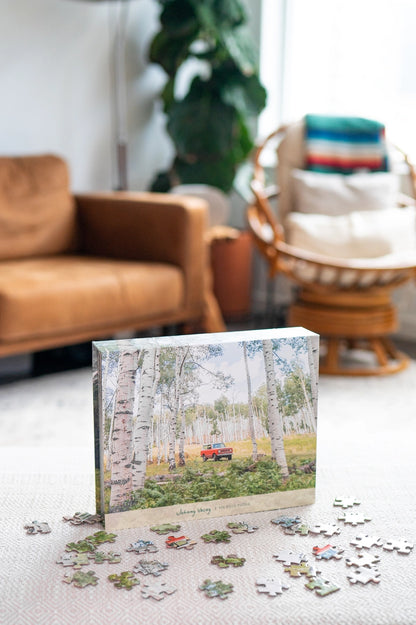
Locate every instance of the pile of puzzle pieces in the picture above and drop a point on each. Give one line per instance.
(361, 565)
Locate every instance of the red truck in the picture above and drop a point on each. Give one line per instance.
(216, 451)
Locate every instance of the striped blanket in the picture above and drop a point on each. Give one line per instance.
(344, 144)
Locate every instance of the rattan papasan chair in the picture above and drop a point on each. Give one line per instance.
(346, 300)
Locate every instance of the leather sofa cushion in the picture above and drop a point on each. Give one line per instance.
(37, 211)
(52, 295)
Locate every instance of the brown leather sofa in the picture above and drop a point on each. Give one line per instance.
(75, 268)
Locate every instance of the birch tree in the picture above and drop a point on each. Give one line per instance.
(121, 440)
(149, 379)
(250, 406)
(274, 416)
(181, 354)
(313, 349)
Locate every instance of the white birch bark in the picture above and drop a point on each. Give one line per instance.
(148, 384)
(181, 354)
(314, 373)
(121, 440)
(250, 406)
(274, 416)
(181, 460)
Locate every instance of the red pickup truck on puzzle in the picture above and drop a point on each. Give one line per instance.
(216, 451)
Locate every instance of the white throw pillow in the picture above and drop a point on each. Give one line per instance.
(360, 234)
(338, 194)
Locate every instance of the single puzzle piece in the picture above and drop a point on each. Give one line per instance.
(230, 560)
(81, 546)
(366, 541)
(125, 580)
(142, 546)
(290, 557)
(296, 570)
(83, 517)
(363, 575)
(346, 502)
(353, 518)
(287, 521)
(302, 529)
(401, 545)
(328, 552)
(157, 590)
(328, 529)
(272, 586)
(75, 560)
(322, 586)
(37, 527)
(150, 567)
(180, 542)
(80, 579)
(242, 527)
(363, 559)
(216, 536)
(98, 538)
(216, 589)
(112, 557)
(165, 528)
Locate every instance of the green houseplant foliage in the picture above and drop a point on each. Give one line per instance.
(210, 125)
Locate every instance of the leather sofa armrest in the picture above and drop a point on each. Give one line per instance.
(149, 227)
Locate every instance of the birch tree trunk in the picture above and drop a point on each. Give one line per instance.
(313, 370)
(121, 441)
(274, 416)
(148, 384)
(250, 406)
(179, 373)
(181, 461)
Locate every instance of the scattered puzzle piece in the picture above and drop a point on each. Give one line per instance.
(81, 546)
(150, 567)
(101, 537)
(366, 541)
(272, 586)
(112, 557)
(346, 502)
(327, 552)
(302, 529)
(37, 527)
(216, 536)
(401, 545)
(322, 586)
(363, 575)
(296, 570)
(80, 579)
(353, 518)
(287, 521)
(157, 590)
(242, 527)
(180, 542)
(290, 557)
(230, 560)
(216, 589)
(125, 580)
(83, 517)
(143, 546)
(328, 529)
(165, 528)
(75, 560)
(363, 559)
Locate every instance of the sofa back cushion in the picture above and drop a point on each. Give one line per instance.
(37, 211)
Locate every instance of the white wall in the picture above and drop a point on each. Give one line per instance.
(55, 75)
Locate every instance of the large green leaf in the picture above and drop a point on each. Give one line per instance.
(218, 172)
(169, 52)
(178, 19)
(239, 47)
(201, 123)
(246, 94)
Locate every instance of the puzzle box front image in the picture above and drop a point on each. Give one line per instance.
(208, 425)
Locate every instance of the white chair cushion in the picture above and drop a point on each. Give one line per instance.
(360, 234)
(337, 194)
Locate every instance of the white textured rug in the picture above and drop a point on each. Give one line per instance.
(366, 448)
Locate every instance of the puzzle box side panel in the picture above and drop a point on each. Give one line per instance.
(98, 437)
(207, 419)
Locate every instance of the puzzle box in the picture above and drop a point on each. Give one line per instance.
(207, 425)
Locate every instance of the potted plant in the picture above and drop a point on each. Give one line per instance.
(211, 124)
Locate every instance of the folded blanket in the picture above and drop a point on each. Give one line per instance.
(344, 145)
